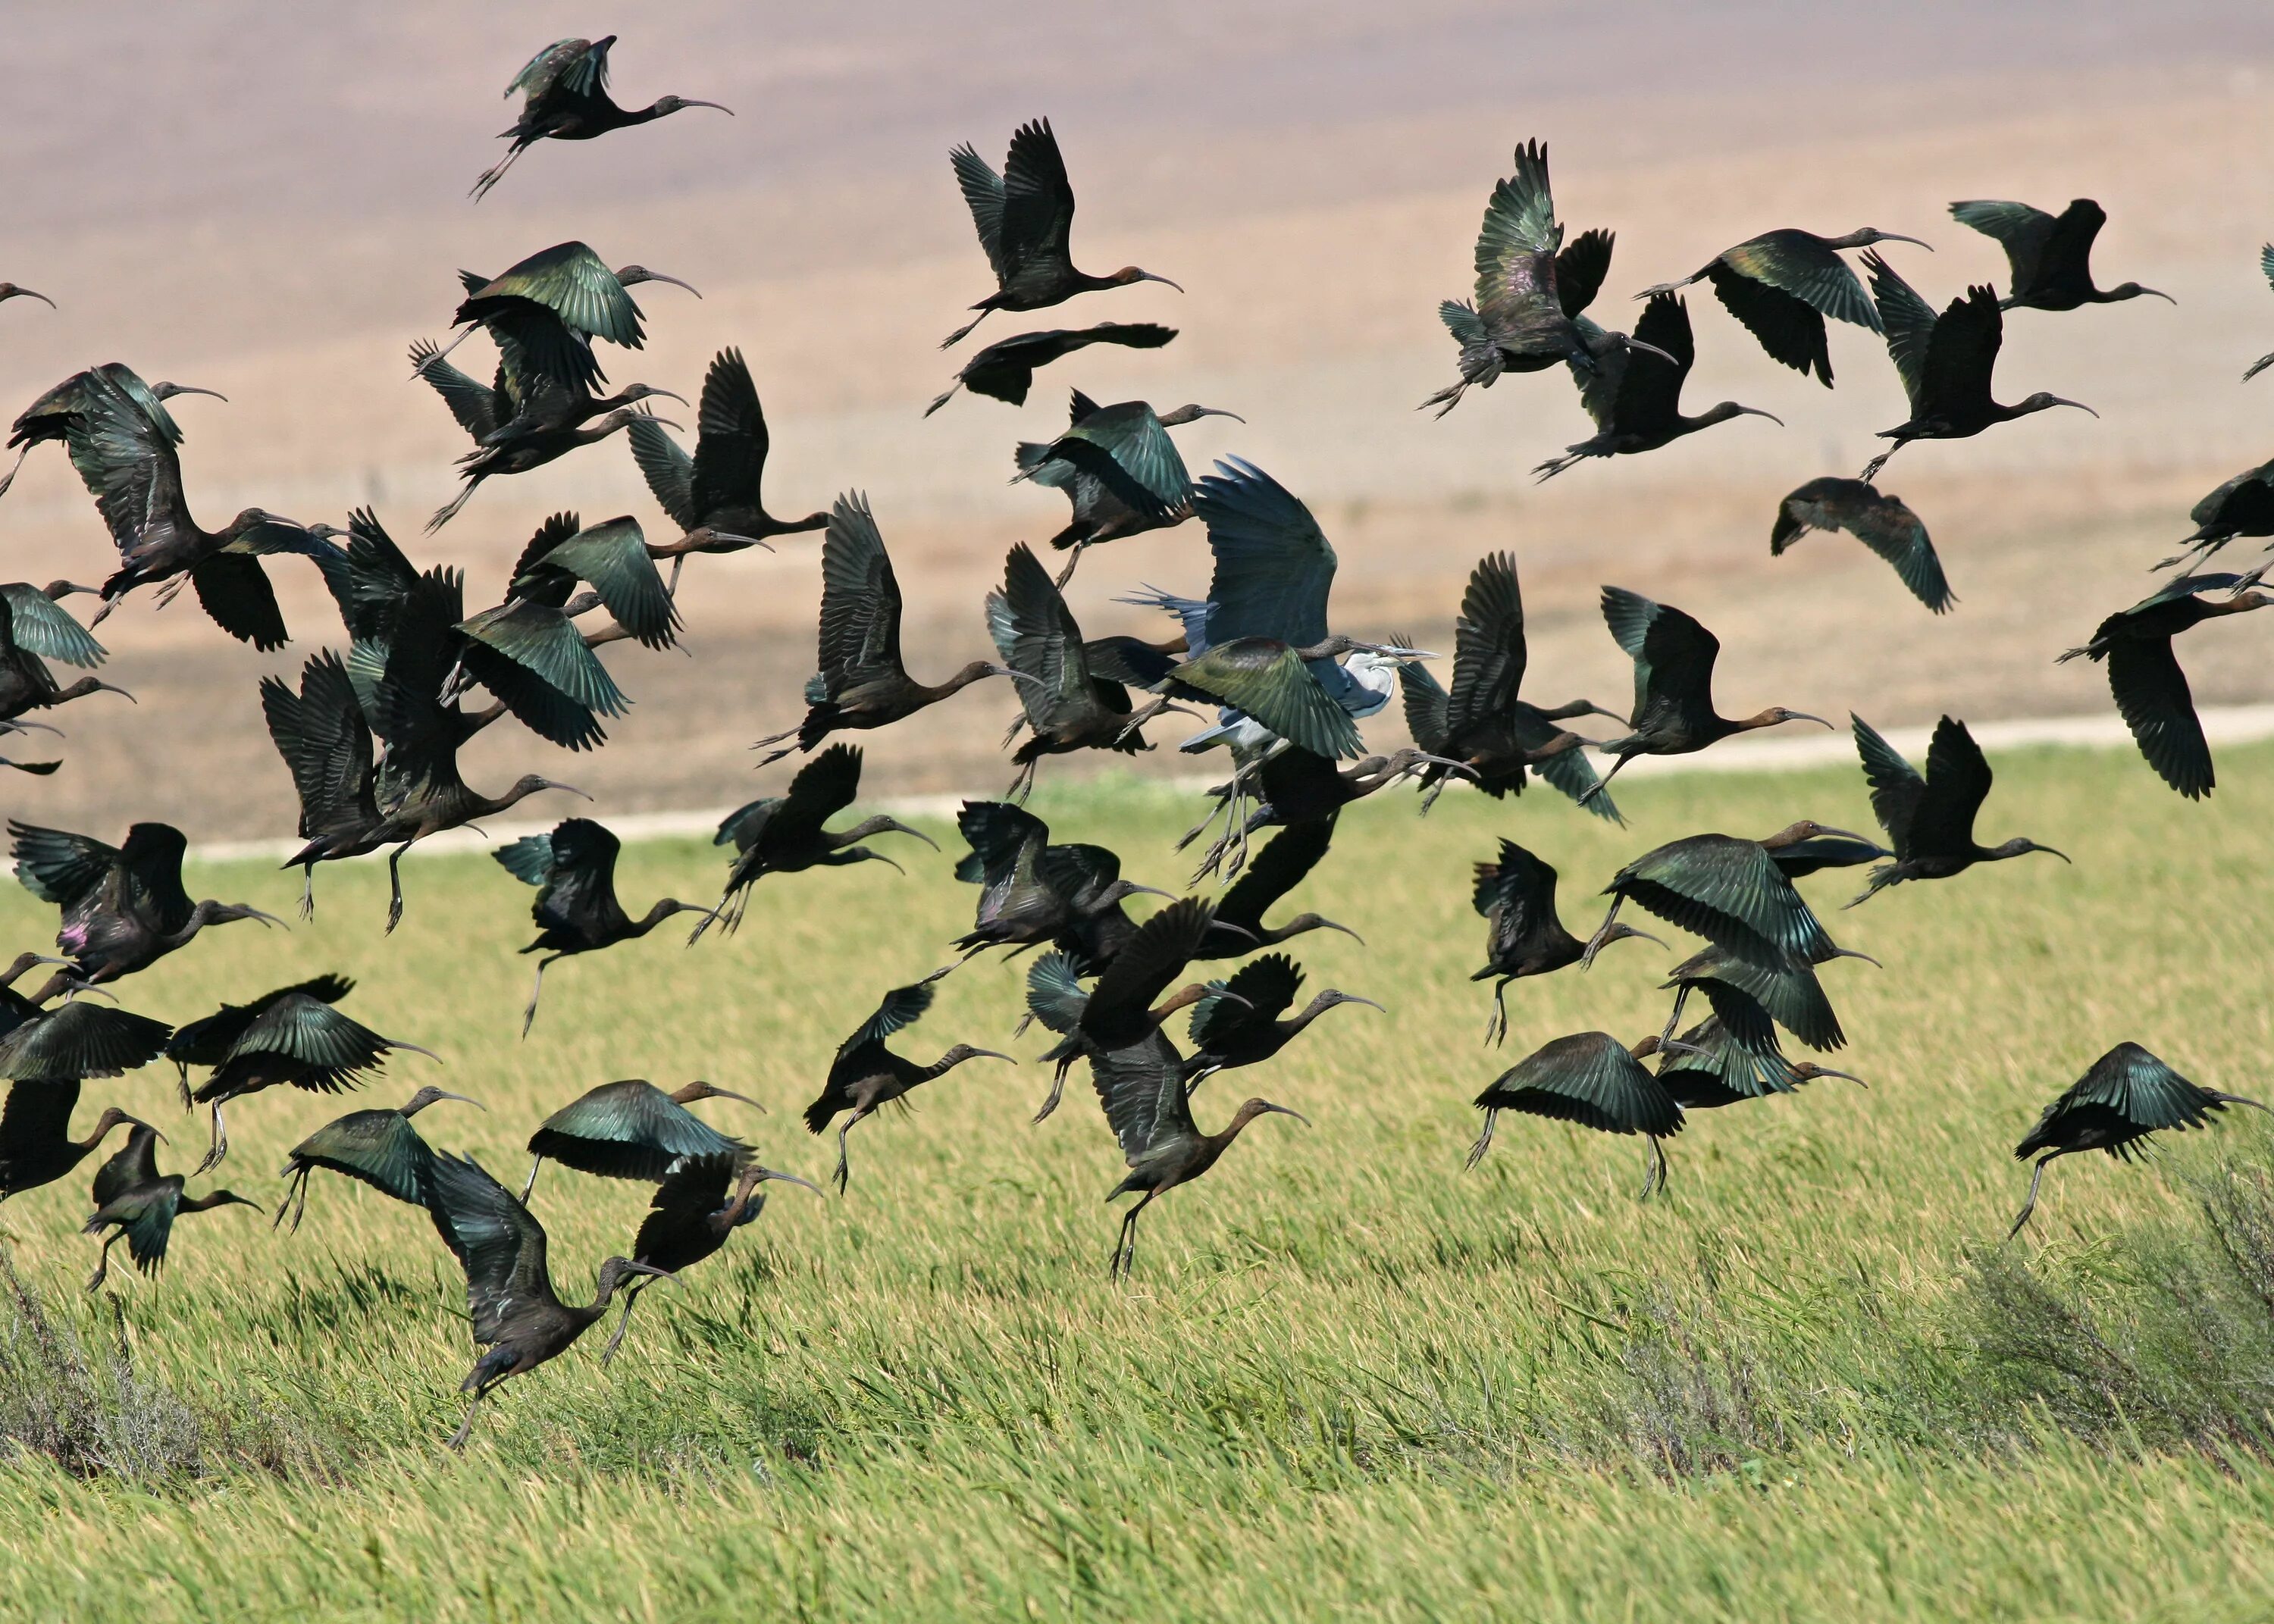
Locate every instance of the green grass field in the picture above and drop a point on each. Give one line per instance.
(1811, 1382)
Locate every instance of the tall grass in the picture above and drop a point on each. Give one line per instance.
(1345, 1376)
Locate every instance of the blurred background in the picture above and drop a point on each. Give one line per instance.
(270, 201)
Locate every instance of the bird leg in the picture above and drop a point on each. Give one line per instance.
(103, 1260)
(307, 891)
(529, 1015)
(1023, 785)
(532, 1185)
(1654, 1176)
(1666, 1038)
(1124, 1246)
(220, 1147)
(844, 1174)
(395, 886)
(624, 1323)
(1484, 1141)
(1596, 943)
(1064, 576)
(1871, 469)
(466, 1427)
(488, 178)
(1058, 1088)
(299, 1187)
(1497, 1027)
(964, 332)
(2030, 1206)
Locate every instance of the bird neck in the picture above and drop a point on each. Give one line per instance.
(1766, 718)
(977, 670)
(660, 911)
(1309, 1012)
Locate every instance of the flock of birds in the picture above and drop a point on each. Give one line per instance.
(371, 733)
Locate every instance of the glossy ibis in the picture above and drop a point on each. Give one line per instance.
(1481, 723)
(1118, 468)
(26, 682)
(1673, 658)
(1930, 820)
(1523, 935)
(1120, 1009)
(528, 451)
(36, 1148)
(1141, 1087)
(714, 496)
(1024, 216)
(1032, 892)
(63, 410)
(2127, 1096)
(2265, 269)
(1291, 787)
(692, 1217)
(292, 1035)
(379, 1148)
(2244, 506)
(2051, 256)
(1634, 391)
(573, 869)
(614, 559)
(1530, 287)
(1246, 1031)
(1782, 285)
(1005, 370)
(1944, 363)
(1727, 889)
(124, 908)
(1283, 864)
(125, 458)
(521, 402)
(865, 1075)
(783, 834)
(1594, 1079)
(565, 98)
(1065, 706)
(1710, 1066)
(2143, 674)
(139, 1206)
(630, 1129)
(1882, 523)
(510, 1295)
(861, 682)
(546, 310)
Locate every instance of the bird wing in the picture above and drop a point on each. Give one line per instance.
(1804, 267)
(667, 469)
(903, 1006)
(1587, 1077)
(1143, 1090)
(2022, 231)
(1268, 983)
(2141, 1089)
(1428, 708)
(1569, 771)
(134, 1165)
(380, 1148)
(1037, 199)
(1580, 269)
(1962, 352)
(2069, 246)
(151, 857)
(1043, 641)
(545, 644)
(1521, 887)
(1516, 244)
(1267, 680)
(1283, 863)
(1055, 995)
(235, 591)
(36, 1113)
(1155, 956)
(477, 406)
(860, 596)
(1788, 326)
(982, 193)
(41, 626)
(1706, 883)
(1676, 667)
(58, 866)
(577, 66)
(1897, 787)
(730, 449)
(1000, 834)
(578, 880)
(529, 859)
(1957, 783)
(147, 1216)
(823, 788)
(422, 734)
(78, 1040)
(1909, 322)
(127, 463)
(332, 1046)
(1488, 646)
(614, 559)
(1649, 397)
(493, 1235)
(325, 743)
(2153, 697)
(1784, 984)
(573, 283)
(1887, 525)
(1274, 565)
(692, 1191)
(1130, 453)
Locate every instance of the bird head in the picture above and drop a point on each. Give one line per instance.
(1330, 997)
(701, 1090)
(428, 1095)
(962, 1052)
(9, 290)
(211, 913)
(648, 391)
(1314, 921)
(1616, 931)
(167, 391)
(1722, 411)
(1808, 1071)
(631, 274)
(25, 962)
(225, 1197)
(1128, 274)
(613, 1270)
(1194, 413)
(1254, 1109)
(1120, 891)
(665, 105)
(530, 784)
(2019, 847)
(1807, 829)
(1776, 715)
(623, 417)
(1868, 236)
(2133, 290)
(753, 1176)
(882, 825)
(2042, 401)
(112, 1117)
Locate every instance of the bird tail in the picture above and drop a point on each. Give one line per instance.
(818, 1114)
(1882, 876)
(942, 400)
